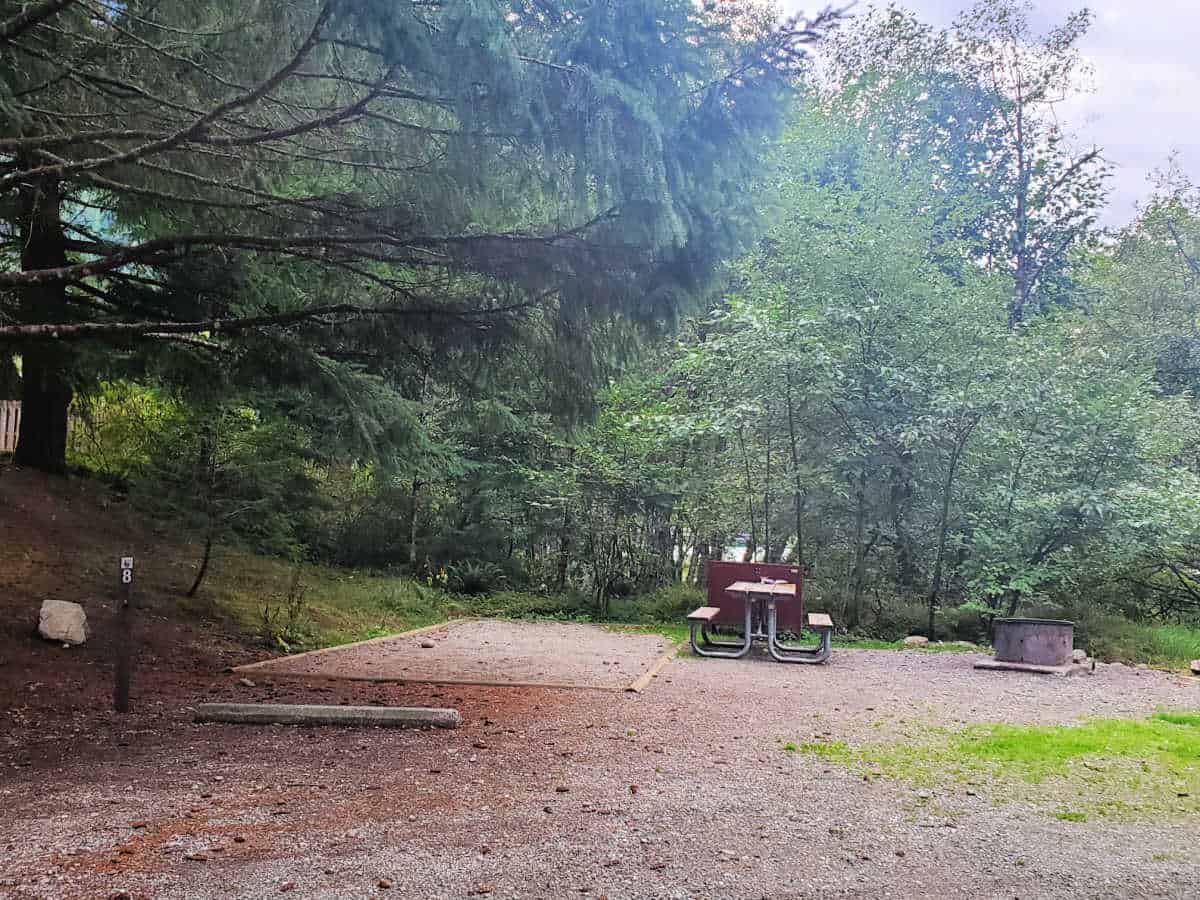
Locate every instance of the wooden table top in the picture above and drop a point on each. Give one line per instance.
(780, 589)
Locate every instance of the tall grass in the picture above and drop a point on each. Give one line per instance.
(1114, 639)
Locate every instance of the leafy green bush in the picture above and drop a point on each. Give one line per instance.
(524, 604)
(968, 622)
(116, 426)
(371, 527)
(1114, 639)
(476, 577)
(670, 603)
(894, 619)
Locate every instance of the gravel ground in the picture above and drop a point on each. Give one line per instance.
(679, 792)
(490, 651)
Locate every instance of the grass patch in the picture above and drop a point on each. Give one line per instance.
(675, 632)
(1122, 768)
(1038, 752)
(1066, 815)
(855, 643)
(1191, 719)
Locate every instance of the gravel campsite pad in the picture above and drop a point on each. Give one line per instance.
(490, 651)
(686, 790)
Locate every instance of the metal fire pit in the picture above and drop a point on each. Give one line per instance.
(1033, 645)
(1037, 642)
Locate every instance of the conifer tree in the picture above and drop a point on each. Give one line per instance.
(211, 172)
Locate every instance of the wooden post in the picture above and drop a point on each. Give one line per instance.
(123, 645)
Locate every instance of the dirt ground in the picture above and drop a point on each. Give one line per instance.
(489, 651)
(682, 791)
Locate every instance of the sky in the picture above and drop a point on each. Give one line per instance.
(1145, 56)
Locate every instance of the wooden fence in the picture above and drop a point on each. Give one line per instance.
(10, 424)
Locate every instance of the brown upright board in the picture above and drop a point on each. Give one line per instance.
(723, 574)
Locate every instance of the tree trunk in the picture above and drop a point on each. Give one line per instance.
(798, 484)
(45, 366)
(412, 526)
(1023, 263)
(700, 553)
(564, 550)
(208, 545)
(752, 549)
(901, 503)
(767, 500)
(10, 379)
(935, 586)
(860, 552)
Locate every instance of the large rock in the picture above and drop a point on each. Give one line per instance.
(916, 640)
(1079, 656)
(63, 622)
(1196, 666)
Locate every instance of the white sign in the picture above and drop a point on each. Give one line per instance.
(126, 562)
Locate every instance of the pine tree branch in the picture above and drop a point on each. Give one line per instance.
(82, 330)
(194, 130)
(30, 18)
(17, 144)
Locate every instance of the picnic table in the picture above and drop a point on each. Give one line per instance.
(759, 606)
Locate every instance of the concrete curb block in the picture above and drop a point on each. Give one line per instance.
(307, 714)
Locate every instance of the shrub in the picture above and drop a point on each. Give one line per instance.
(476, 577)
(895, 619)
(669, 603)
(1114, 639)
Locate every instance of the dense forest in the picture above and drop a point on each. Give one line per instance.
(572, 295)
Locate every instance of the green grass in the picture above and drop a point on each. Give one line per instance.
(853, 643)
(1191, 719)
(676, 632)
(1123, 768)
(1065, 815)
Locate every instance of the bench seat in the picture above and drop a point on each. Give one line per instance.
(704, 614)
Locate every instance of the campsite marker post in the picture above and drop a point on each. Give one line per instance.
(124, 641)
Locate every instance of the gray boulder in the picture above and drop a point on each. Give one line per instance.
(63, 622)
(916, 640)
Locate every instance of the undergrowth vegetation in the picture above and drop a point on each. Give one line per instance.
(302, 607)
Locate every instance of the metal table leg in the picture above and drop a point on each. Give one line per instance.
(742, 649)
(710, 642)
(813, 655)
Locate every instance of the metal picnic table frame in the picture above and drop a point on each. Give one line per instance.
(759, 617)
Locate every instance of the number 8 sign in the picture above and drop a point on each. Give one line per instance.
(126, 570)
